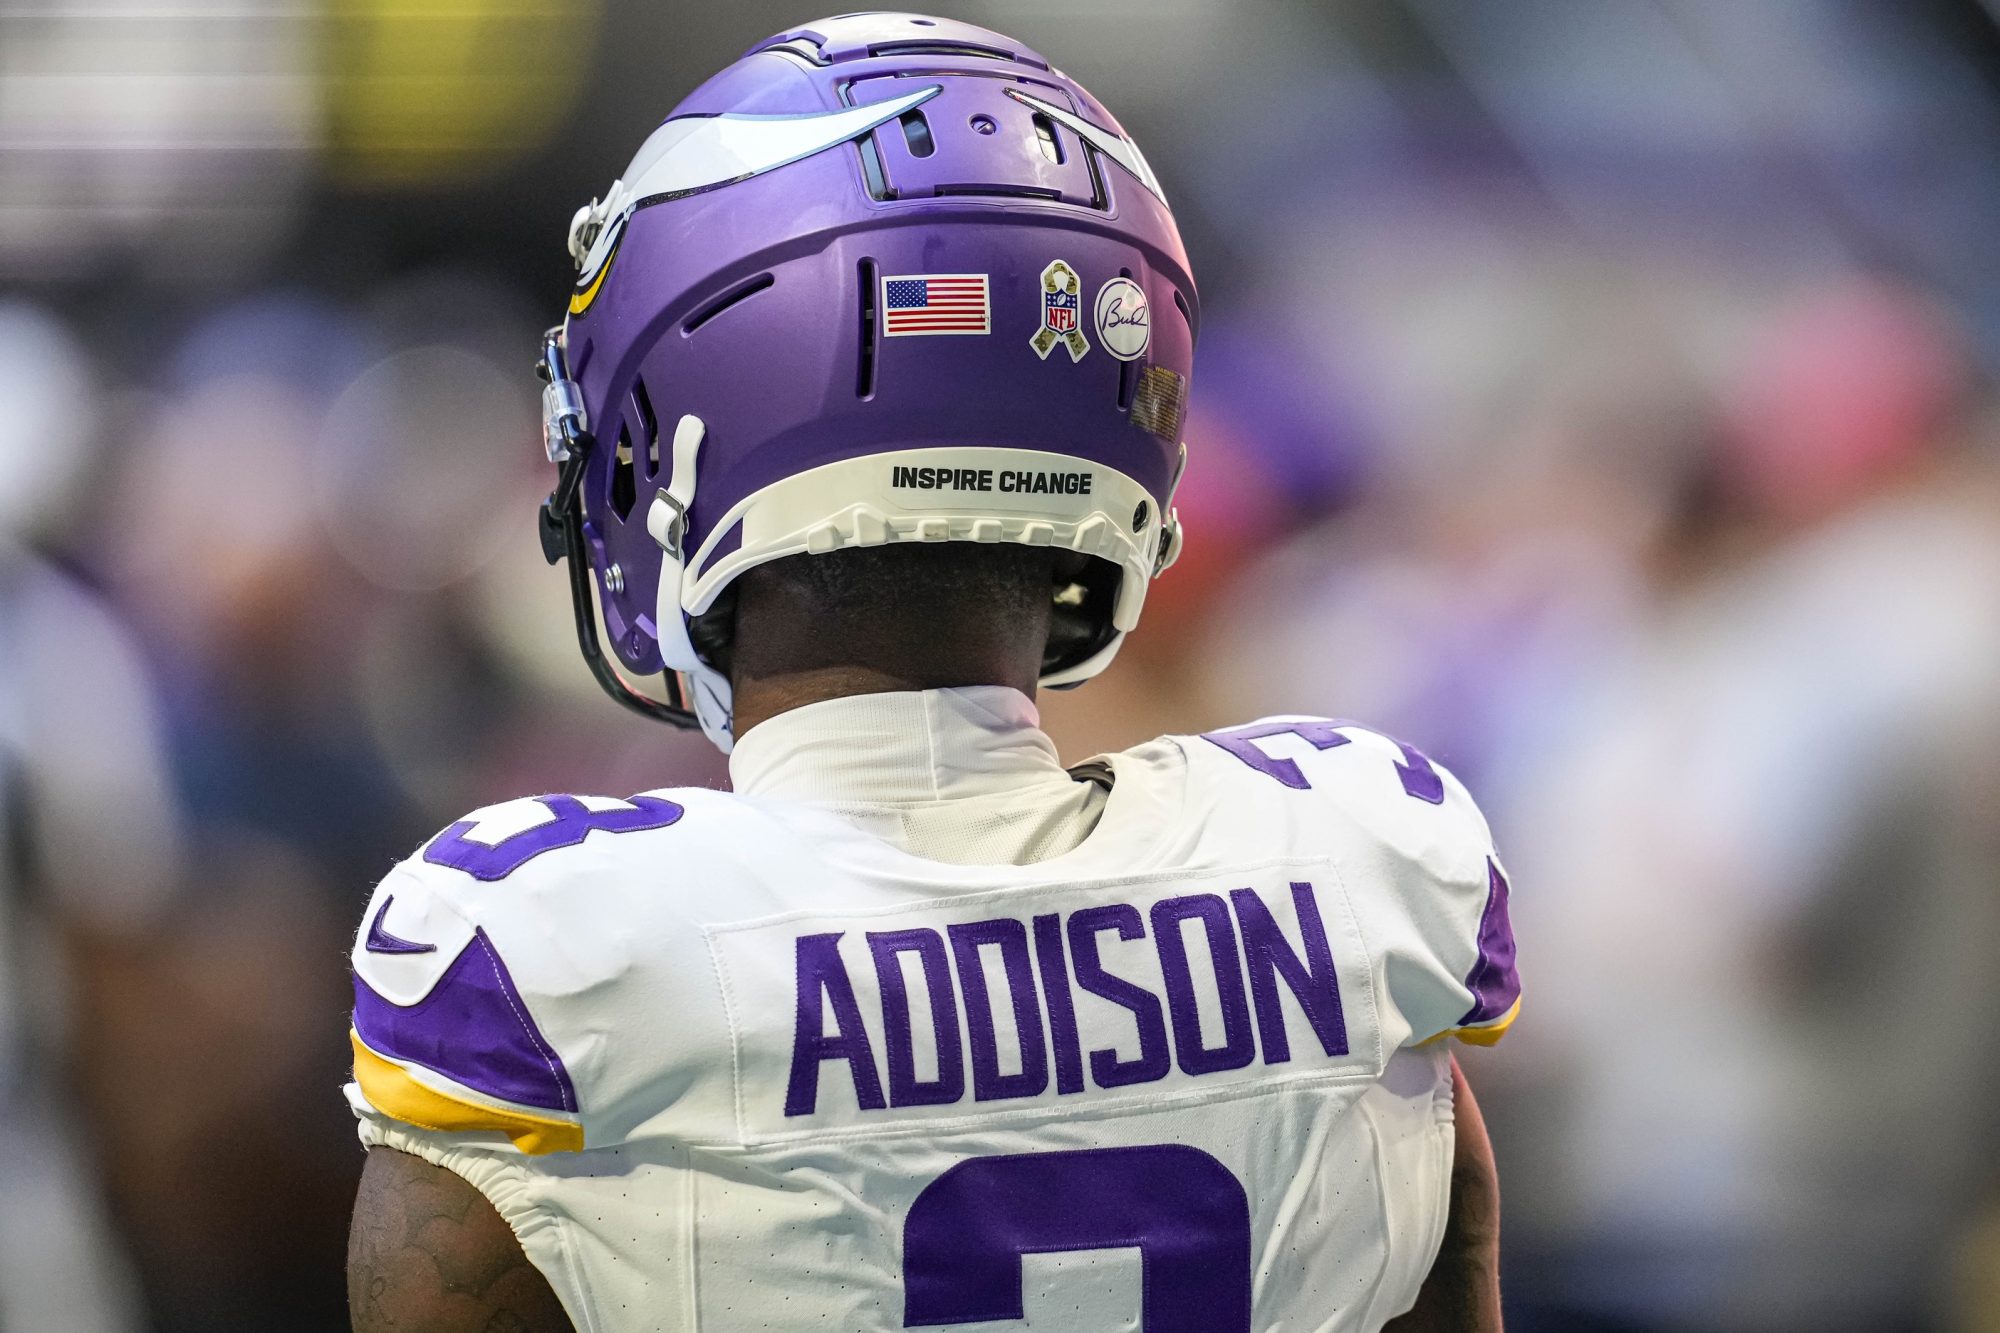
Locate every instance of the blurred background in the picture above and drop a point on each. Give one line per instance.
(1598, 395)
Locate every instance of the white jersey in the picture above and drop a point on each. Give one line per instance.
(748, 1061)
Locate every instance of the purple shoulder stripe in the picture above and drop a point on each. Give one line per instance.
(473, 1028)
(1494, 982)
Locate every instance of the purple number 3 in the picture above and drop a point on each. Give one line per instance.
(570, 822)
(1420, 779)
(1183, 1210)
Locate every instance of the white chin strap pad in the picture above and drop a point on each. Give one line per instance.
(713, 707)
(666, 522)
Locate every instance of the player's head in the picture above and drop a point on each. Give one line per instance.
(886, 279)
(901, 616)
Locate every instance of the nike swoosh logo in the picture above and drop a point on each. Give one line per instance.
(692, 154)
(381, 941)
(1116, 147)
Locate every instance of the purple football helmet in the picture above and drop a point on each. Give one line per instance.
(886, 278)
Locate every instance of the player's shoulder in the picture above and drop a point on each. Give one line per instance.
(584, 879)
(573, 838)
(1340, 776)
(1415, 851)
(488, 961)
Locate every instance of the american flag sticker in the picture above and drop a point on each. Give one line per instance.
(935, 303)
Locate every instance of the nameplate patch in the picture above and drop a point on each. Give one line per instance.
(1022, 1002)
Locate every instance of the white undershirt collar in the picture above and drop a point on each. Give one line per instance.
(899, 748)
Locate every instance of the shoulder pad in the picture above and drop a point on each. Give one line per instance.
(1418, 849)
(464, 987)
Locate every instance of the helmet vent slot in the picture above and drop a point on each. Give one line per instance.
(1045, 136)
(649, 427)
(807, 52)
(880, 49)
(917, 134)
(871, 169)
(1010, 191)
(1180, 304)
(624, 487)
(743, 291)
(1128, 371)
(864, 380)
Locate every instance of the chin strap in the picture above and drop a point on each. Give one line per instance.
(1170, 527)
(666, 521)
(667, 524)
(567, 437)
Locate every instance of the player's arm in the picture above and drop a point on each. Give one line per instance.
(1462, 1293)
(428, 1254)
(463, 1082)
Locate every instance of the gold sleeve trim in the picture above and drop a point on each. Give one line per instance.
(394, 1091)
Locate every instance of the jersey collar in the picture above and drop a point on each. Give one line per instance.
(898, 748)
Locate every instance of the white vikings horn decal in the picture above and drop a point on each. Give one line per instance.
(1120, 150)
(690, 154)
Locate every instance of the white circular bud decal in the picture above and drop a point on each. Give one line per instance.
(1124, 321)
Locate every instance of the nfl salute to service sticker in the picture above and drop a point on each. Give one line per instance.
(1124, 322)
(1062, 301)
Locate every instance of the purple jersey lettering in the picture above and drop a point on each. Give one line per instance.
(823, 983)
(1010, 937)
(572, 821)
(1238, 1048)
(1203, 943)
(1420, 779)
(905, 1089)
(1184, 1212)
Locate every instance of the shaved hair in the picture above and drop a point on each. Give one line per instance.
(913, 615)
(921, 581)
